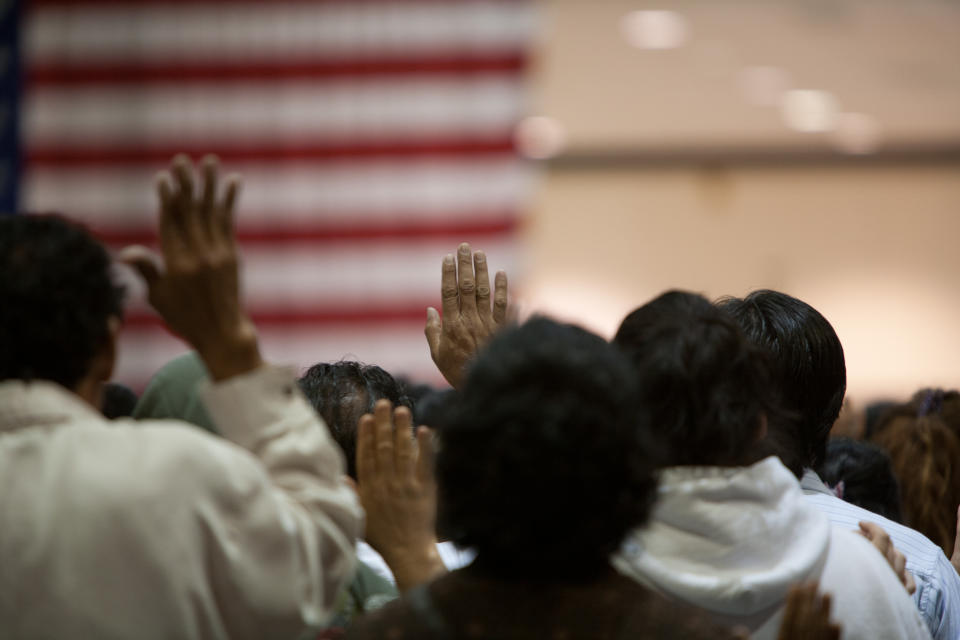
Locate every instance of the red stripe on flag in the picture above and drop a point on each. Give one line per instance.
(56, 156)
(39, 4)
(398, 230)
(323, 316)
(69, 75)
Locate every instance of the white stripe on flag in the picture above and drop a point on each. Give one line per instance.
(272, 30)
(344, 193)
(351, 110)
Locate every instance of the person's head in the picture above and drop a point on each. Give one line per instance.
(702, 385)
(861, 474)
(341, 392)
(117, 401)
(541, 466)
(925, 453)
(60, 310)
(808, 365)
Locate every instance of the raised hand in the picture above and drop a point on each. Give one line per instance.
(196, 289)
(468, 319)
(397, 490)
(807, 616)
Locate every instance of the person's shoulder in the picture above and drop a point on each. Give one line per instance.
(919, 549)
(659, 617)
(869, 599)
(396, 620)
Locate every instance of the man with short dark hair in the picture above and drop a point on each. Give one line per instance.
(810, 375)
(112, 531)
(731, 531)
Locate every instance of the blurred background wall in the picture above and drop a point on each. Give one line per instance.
(811, 146)
(807, 146)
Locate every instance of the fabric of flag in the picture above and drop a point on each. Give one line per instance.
(372, 136)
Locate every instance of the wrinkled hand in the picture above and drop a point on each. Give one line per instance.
(897, 561)
(397, 490)
(468, 320)
(807, 616)
(197, 290)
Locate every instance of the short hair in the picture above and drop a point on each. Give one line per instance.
(341, 392)
(702, 385)
(809, 368)
(541, 466)
(56, 298)
(925, 453)
(117, 401)
(866, 474)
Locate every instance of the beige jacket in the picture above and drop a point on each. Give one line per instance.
(160, 530)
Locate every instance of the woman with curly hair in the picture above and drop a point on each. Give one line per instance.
(924, 449)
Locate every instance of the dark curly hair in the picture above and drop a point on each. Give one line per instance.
(56, 298)
(541, 466)
(341, 392)
(809, 369)
(701, 384)
(867, 476)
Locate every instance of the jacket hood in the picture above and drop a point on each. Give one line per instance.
(731, 540)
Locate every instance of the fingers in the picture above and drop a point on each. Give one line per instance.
(229, 203)
(366, 446)
(208, 170)
(425, 459)
(432, 331)
(483, 288)
(143, 261)
(405, 457)
(449, 296)
(383, 428)
(466, 281)
(500, 298)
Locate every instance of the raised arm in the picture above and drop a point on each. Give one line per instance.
(468, 320)
(277, 518)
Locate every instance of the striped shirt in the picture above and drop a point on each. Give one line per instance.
(938, 585)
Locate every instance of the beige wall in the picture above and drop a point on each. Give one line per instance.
(874, 249)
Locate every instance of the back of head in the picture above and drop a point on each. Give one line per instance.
(541, 466)
(341, 392)
(702, 385)
(862, 474)
(56, 299)
(807, 362)
(925, 453)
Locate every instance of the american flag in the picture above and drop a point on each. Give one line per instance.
(372, 136)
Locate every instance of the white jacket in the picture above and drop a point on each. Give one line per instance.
(732, 540)
(155, 530)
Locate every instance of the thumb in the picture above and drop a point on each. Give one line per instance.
(144, 261)
(432, 331)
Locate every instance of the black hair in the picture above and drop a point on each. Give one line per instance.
(56, 298)
(702, 385)
(117, 401)
(341, 392)
(867, 476)
(541, 466)
(809, 369)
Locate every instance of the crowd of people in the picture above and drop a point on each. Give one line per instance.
(679, 481)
